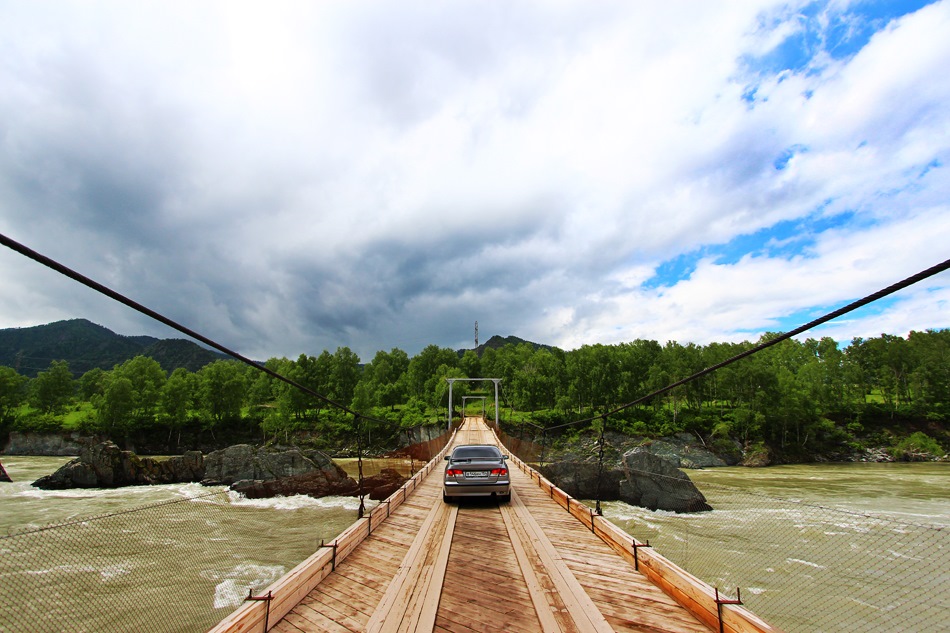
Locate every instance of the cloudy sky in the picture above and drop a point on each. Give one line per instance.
(289, 177)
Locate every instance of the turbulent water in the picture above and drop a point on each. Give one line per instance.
(845, 547)
(185, 558)
(854, 547)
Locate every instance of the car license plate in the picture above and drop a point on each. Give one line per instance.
(476, 473)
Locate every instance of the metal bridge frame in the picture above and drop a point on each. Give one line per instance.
(465, 400)
(452, 381)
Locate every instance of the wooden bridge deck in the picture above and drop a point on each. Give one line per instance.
(479, 565)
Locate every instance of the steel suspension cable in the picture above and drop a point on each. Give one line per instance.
(112, 294)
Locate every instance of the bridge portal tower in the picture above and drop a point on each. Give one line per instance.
(452, 381)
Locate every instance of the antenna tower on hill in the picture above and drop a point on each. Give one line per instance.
(476, 334)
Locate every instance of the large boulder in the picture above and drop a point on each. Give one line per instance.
(579, 480)
(316, 483)
(655, 483)
(244, 462)
(684, 451)
(313, 483)
(644, 480)
(105, 465)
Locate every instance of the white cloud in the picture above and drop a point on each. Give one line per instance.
(327, 174)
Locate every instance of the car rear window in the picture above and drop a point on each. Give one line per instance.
(469, 452)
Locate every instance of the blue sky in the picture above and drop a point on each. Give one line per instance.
(316, 175)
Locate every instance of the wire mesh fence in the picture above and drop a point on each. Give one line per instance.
(799, 564)
(180, 565)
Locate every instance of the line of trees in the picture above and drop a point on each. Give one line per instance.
(797, 396)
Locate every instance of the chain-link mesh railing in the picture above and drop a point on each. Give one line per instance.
(800, 565)
(807, 567)
(176, 565)
(179, 565)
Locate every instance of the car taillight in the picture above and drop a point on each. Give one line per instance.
(499, 471)
(453, 472)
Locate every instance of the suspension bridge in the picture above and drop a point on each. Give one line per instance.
(544, 562)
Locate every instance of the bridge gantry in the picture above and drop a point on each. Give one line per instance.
(416, 564)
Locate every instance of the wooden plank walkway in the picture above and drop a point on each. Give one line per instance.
(479, 565)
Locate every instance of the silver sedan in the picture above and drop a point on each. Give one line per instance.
(476, 470)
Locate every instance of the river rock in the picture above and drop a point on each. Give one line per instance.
(655, 483)
(246, 462)
(318, 483)
(684, 451)
(4, 476)
(579, 480)
(105, 465)
(645, 480)
(383, 484)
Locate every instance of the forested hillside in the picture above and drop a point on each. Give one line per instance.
(795, 401)
(85, 345)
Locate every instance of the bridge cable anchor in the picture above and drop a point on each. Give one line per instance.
(265, 599)
(636, 556)
(333, 559)
(722, 601)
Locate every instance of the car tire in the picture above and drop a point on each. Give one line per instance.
(506, 498)
(446, 498)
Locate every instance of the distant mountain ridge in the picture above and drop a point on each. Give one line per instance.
(86, 345)
(497, 342)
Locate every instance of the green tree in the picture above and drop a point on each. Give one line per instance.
(51, 390)
(344, 375)
(116, 405)
(147, 378)
(175, 400)
(12, 393)
(383, 381)
(424, 366)
(470, 363)
(222, 388)
(92, 384)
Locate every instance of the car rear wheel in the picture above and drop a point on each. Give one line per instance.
(446, 498)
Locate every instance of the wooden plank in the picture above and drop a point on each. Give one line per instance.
(396, 601)
(584, 613)
(423, 618)
(536, 589)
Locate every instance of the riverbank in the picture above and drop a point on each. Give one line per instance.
(692, 452)
(684, 450)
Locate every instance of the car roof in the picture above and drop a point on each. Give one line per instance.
(476, 450)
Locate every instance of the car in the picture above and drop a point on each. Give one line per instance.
(476, 470)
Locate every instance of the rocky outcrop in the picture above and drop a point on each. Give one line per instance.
(384, 484)
(684, 451)
(579, 480)
(655, 483)
(246, 462)
(52, 444)
(3, 475)
(644, 480)
(105, 465)
(254, 472)
(317, 483)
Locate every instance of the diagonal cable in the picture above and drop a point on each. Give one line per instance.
(112, 294)
(880, 294)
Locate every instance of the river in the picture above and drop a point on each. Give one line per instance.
(812, 548)
(826, 547)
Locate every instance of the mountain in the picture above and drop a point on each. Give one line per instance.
(496, 342)
(85, 345)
